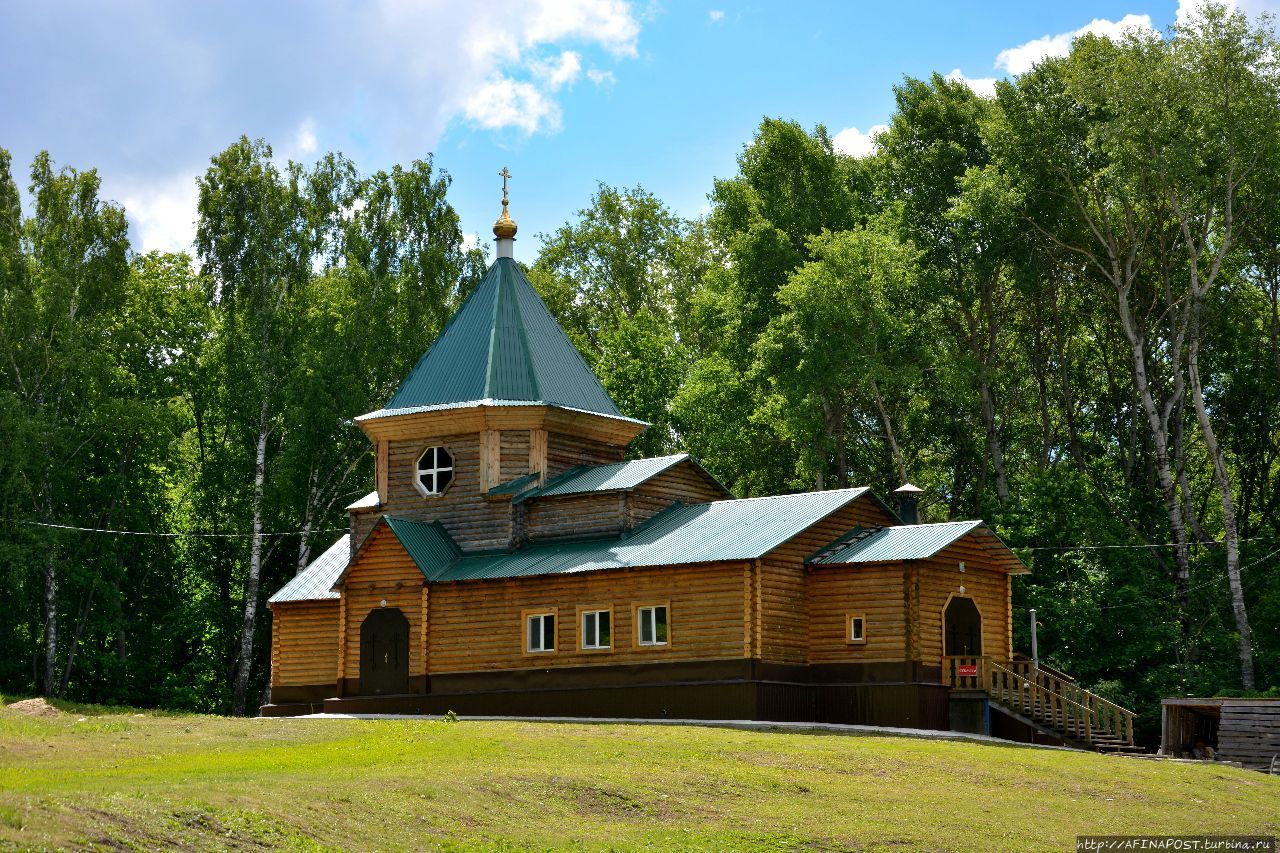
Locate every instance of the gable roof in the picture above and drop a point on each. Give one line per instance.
(428, 544)
(719, 531)
(315, 582)
(502, 347)
(913, 542)
(618, 477)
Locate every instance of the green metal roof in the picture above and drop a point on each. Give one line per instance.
(513, 487)
(427, 543)
(315, 582)
(912, 542)
(618, 477)
(502, 347)
(696, 533)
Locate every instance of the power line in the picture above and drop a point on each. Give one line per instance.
(185, 535)
(1148, 547)
(1142, 602)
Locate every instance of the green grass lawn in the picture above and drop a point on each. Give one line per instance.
(123, 779)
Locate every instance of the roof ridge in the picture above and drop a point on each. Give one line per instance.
(859, 489)
(493, 337)
(524, 343)
(940, 523)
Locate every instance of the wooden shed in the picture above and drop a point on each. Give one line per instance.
(1243, 730)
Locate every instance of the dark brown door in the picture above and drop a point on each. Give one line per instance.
(962, 628)
(384, 652)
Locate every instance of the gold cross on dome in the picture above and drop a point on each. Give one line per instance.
(504, 174)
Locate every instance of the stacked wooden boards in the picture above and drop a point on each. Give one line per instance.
(1249, 732)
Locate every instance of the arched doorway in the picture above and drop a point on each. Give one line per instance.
(384, 652)
(962, 628)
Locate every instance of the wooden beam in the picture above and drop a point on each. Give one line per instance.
(538, 454)
(490, 459)
(603, 428)
(382, 468)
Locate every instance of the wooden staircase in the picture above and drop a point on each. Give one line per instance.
(1046, 699)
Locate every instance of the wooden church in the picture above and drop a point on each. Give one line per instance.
(511, 561)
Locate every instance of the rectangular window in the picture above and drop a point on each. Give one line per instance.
(651, 625)
(540, 632)
(857, 628)
(596, 629)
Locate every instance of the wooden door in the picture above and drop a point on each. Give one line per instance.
(962, 628)
(384, 652)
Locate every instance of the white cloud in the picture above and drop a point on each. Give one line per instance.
(984, 87)
(503, 102)
(1020, 59)
(162, 215)
(171, 84)
(470, 240)
(304, 140)
(855, 143)
(559, 72)
(498, 75)
(716, 15)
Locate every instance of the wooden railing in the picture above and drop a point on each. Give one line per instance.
(1107, 715)
(1044, 695)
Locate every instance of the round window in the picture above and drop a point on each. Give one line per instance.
(435, 470)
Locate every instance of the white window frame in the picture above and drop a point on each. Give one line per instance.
(547, 643)
(648, 612)
(435, 471)
(860, 638)
(588, 642)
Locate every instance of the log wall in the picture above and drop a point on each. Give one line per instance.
(940, 578)
(595, 514)
(382, 572)
(304, 643)
(474, 522)
(515, 461)
(362, 521)
(681, 483)
(782, 587)
(479, 625)
(565, 451)
(875, 590)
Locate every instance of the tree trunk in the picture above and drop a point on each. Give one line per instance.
(894, 450)
(304, 539)
(1160, 439)
(50, 622)
(1184, 487)
(1229, 527)
(74, 646)
(255, 564)
(994, 449)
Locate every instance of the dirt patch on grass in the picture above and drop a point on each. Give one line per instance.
(33, 708)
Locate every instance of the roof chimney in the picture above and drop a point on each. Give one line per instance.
(908, 500)
(505, 228)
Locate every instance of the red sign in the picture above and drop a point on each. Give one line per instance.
(967, 670)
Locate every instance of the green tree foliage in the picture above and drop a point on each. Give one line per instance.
(144, 393)
(1057, 309)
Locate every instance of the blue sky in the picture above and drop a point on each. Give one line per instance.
(566, 93)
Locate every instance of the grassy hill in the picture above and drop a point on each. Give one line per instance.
(103, 777)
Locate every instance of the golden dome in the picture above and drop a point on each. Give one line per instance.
(505, 227)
